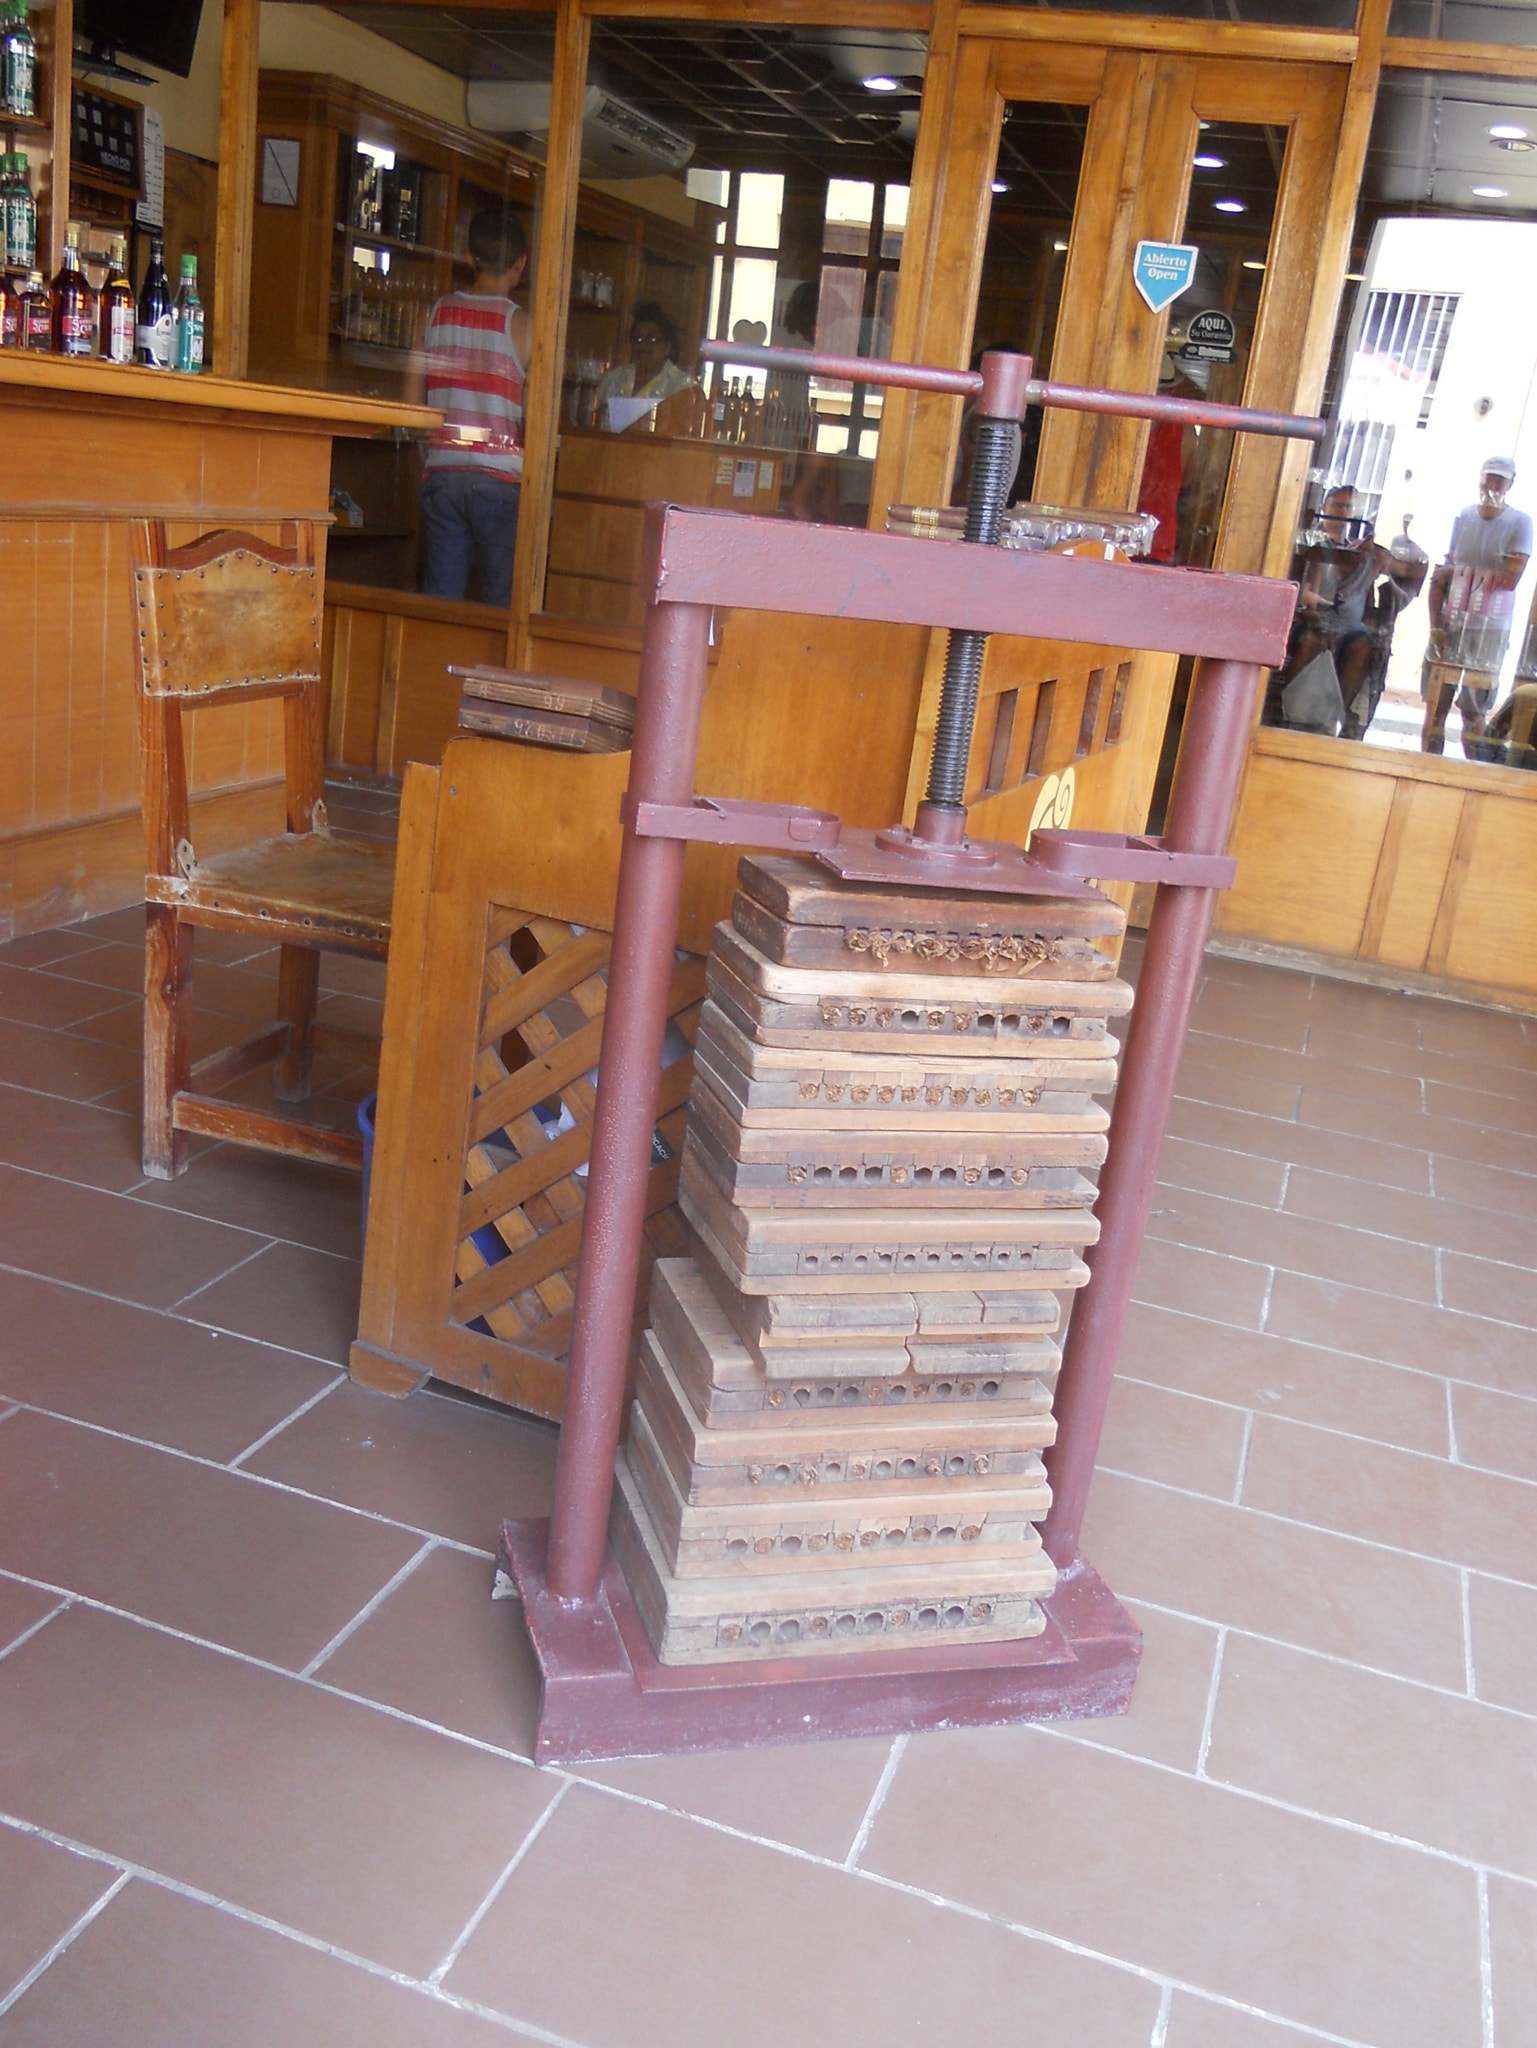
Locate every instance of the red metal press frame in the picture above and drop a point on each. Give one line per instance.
(603, 1691)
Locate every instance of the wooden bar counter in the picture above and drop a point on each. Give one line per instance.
(86, 447)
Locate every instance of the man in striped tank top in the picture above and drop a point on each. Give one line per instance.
(476, 354)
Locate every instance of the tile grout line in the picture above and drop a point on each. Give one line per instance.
(321, 1393)
(1445, 1692)
(327, 1500)
(1209, 1719)
(67, 1600)
(24, 1984)
(1485, 1962)
(1440, 1278)
(1160, 2034)
(192, 1295)
(1469, 1676)
(369, 1608)
(466, 1932)
(877, 1800)
(317, 1944)
(1243, 1458)
(1236, 1406)
(1454, 1455)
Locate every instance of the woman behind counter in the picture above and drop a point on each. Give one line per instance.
(652, 371)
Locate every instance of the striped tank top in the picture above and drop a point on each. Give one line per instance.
(475, 378)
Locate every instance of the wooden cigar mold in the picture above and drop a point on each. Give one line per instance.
(843, 1397)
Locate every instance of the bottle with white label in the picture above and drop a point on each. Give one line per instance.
(19, 239)
(74, 303)
(18, 64)
(188, 353)
(119, 316)
(155, 311)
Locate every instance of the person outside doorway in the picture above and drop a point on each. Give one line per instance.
(473, 368)
(1472, 602)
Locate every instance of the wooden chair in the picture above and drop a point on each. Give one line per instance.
(226, 619)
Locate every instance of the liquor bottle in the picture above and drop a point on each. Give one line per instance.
(18, 65)
(10, 312)
(118, 313)
(20, 227)
(748, 427)
(36, 313)
(155, 316)
(718, 413)
(189, 320)
(74, 303)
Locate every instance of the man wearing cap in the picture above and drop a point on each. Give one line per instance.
(1472, 602)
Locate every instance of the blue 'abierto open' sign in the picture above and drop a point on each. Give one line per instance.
(1162, 270)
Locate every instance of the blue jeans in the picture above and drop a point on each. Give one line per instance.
(468, 519)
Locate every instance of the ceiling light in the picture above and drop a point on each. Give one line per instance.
(1059, 246)
(882, 84)
(1505, 131)
(1230, 206)
(1210, 163)
(1521, 147)
(1490, 192)
(999, 185)
(1250, 264)
(1355, 277)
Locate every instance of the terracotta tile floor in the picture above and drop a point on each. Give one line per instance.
(263, 1736)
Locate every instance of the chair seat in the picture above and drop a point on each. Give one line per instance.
(323, 888)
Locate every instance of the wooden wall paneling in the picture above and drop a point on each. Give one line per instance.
(389, 694)
(1411, 871)
(557, 232)
(238, 65)
(1488, 918)
(1197, 38)
(1307, 843)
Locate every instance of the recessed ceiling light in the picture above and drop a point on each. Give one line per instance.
(1250, 264)
(1517, 148)
(1505, 131)
(1210, 163)
(882, 84)
(1230, 206)
(1059, 246)
(999, 185)
(1490, 192)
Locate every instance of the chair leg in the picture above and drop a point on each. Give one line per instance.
(298, 992)
(167, 1037)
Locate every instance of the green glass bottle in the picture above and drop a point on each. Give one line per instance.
(187, 353)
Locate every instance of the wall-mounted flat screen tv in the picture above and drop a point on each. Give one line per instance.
(158, 32)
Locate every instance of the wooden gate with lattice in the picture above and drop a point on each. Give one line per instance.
(486, 1086)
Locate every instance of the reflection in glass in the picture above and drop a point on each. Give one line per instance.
(1433, 442)
(786, 224)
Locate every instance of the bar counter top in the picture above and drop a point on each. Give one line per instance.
(29, 377)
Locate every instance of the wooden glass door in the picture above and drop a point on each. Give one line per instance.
(1096, 717)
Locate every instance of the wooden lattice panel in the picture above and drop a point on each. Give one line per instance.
(543, 990)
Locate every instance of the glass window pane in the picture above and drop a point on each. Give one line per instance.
(1465, 21)
(894, 220)
(1229, 215)
(1035, 189)
(758, 207)
(805, 251)
(1415, 550)
(850, 210)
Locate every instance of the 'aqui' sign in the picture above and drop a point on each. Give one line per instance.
(1162, 270)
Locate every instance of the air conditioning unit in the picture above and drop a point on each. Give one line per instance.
(618, 141)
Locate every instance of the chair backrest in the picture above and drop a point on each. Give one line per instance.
(226, 618)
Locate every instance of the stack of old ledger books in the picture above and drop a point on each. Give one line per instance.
(550, 711)
(844, 1395)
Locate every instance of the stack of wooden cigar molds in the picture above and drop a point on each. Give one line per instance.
(844, 1395)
